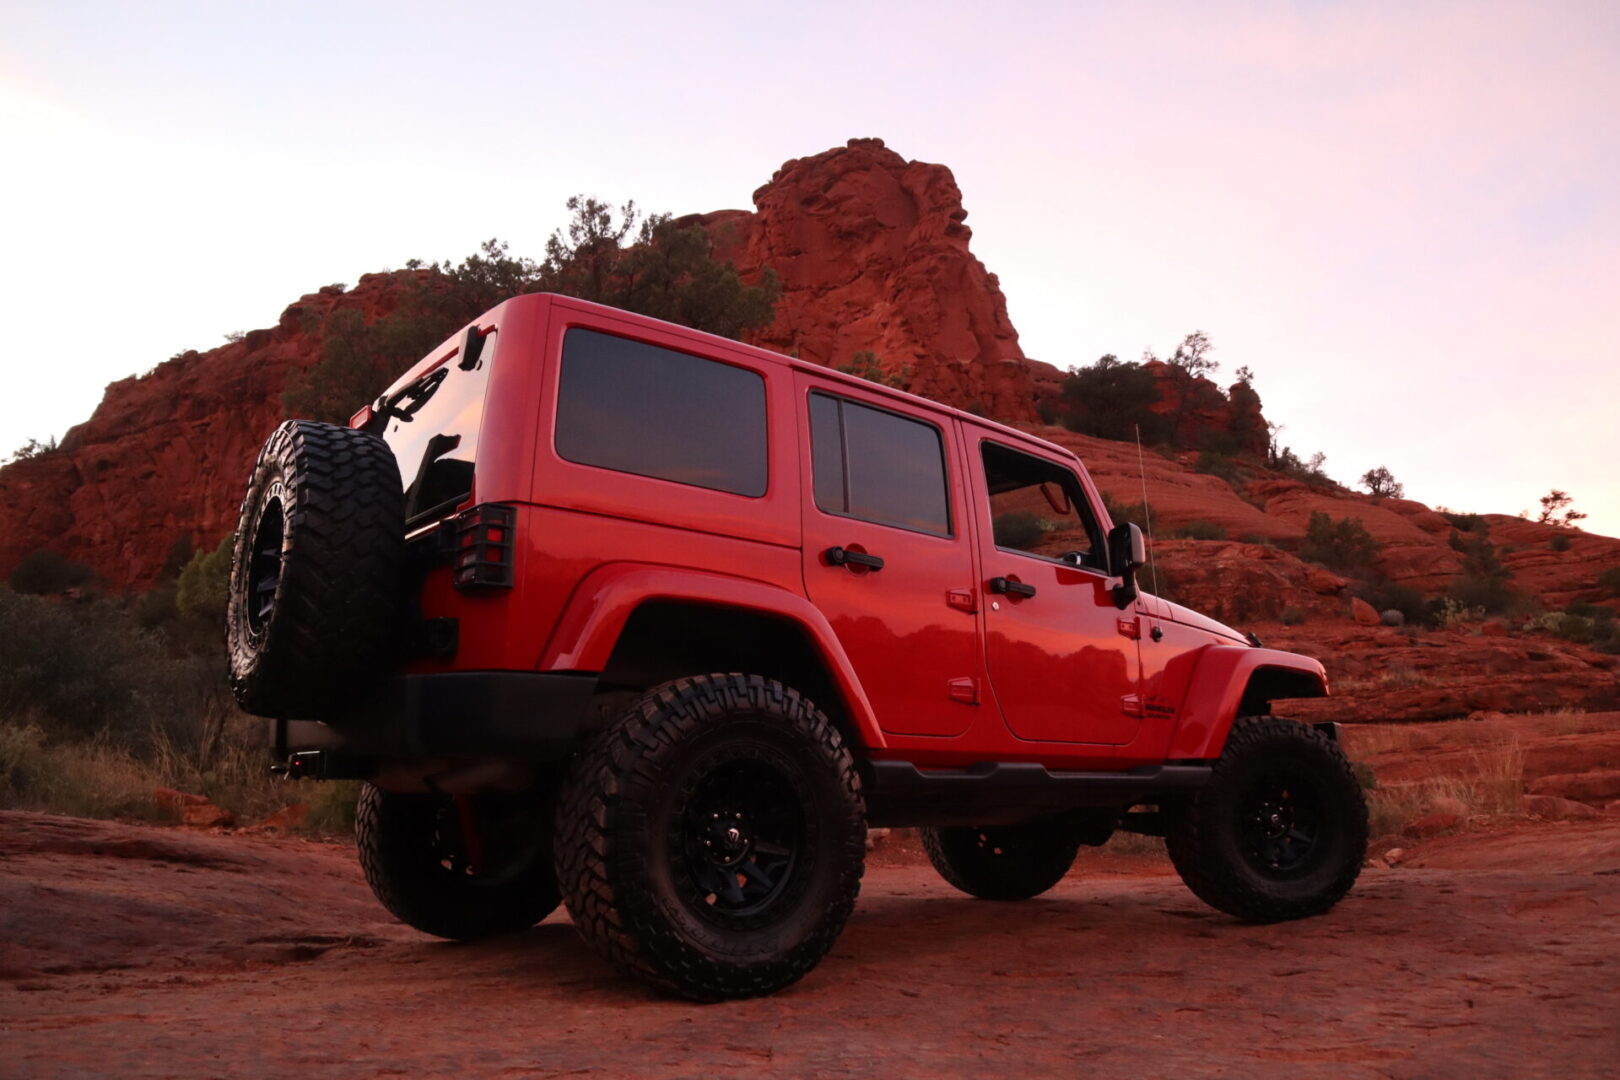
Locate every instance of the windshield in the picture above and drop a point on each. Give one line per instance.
(432, 427)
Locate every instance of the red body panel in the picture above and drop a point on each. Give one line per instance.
(933, 668)
(1215, 690)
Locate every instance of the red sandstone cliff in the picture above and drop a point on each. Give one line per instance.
(872, 253)
(166, 454)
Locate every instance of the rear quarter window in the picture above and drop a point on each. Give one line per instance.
(638, 408)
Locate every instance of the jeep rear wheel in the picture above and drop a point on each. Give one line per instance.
(1003, 862)
(1280, 830)
(458, 867)
(712, 840)
(316, 571)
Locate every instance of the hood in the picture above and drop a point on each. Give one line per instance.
(1188, 617)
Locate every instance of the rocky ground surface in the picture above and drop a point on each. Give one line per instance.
(134, 951)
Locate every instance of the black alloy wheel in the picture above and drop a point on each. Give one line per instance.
(741, 840)
(1280, 830)
(1280, 819)
(711, 840)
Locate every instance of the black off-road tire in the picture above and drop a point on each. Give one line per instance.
(712, 839)
(1280, 830)
(414, 851)
(317, 571)
(1003, 862)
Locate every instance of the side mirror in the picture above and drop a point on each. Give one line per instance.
(1126, 552)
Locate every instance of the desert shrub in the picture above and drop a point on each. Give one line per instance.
(1312, 471)
(1112, 399)
(866, 365)
(1141, 513)
(92, 779)
(85, 669)
(1019, 529)
(1610, 580)
(1221, 465)
(651, 265)
(1462, 522)
(33, 448)
(1595, 612)
(1450, 613)
(1561, 542)
(1343, 545)
(1485, 582)
(1386, 595)
(1492, 594)
(45, 571)
(1201, 530)
(1583, 624)
(1291, 616)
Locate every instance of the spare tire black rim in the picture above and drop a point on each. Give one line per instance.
(265, 562)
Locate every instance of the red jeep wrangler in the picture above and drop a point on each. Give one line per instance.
(620, 615)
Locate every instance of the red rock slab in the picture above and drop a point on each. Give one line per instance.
(1447, 966)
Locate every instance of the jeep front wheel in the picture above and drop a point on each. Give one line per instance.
(712, 840)
(1003, 862)
(1280, 830)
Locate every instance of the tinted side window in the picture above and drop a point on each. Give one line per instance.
(878, 466)
(1038, 507)
(641, 409)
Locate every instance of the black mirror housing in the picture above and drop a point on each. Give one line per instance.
(1127, 551)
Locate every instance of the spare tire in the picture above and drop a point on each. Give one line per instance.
(317, 571)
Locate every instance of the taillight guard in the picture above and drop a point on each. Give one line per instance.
(484, 545)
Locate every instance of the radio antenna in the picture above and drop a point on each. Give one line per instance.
(1147, 511)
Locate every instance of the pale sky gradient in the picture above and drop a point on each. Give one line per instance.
(1404, 217)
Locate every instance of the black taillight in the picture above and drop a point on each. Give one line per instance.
(484, 539)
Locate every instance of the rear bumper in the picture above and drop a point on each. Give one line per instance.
(522, 715)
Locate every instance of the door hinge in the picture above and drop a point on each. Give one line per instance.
(962, 600)
(1131, 628)
(964, 690)
(1130, 705)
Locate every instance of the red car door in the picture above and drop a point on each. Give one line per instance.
(887, 555)
(1062, 658)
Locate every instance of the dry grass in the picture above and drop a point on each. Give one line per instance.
(101, 779)
(1489, 784)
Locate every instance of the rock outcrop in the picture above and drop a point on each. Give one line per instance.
(166, 454)
(872, 254)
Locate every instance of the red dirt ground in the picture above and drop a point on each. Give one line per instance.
(133, 951)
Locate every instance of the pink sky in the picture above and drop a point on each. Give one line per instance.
(1405, 218)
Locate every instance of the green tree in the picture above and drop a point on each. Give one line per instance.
(667, 271)
(1343, 545)
(1557, 509)
(1381, 483)
(1111, 400)
(33, 448)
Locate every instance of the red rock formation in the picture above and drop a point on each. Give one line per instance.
(166, 454)
(872, 254)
